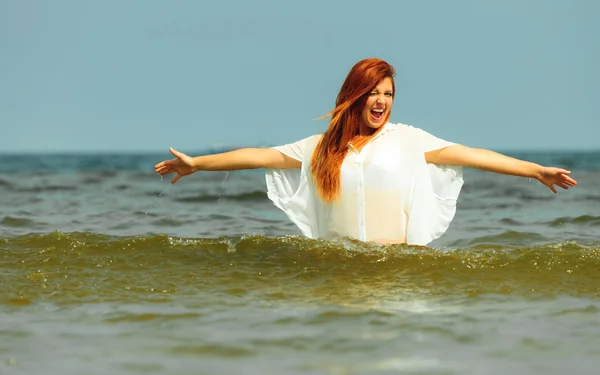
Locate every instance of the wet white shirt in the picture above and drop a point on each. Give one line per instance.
(388, 192)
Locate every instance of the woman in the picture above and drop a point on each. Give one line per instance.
(364, 177)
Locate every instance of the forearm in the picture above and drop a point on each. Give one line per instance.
(486, 160)
(245, 158)
(498, 163)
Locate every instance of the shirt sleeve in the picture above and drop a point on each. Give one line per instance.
(291, 190)
(435, 194)
(431, 142)
(294, 150)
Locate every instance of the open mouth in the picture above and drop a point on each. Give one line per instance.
(377, 114)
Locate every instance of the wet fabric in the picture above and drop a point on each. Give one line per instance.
(388, 191)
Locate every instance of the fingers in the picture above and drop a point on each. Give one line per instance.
(165, 163)
(167, 166)
(562, 184)
(163, 168)
(176, 153)
(568, 180)
(563, 179)
(164, 171)
(176, 178)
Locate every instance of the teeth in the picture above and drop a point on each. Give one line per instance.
(378, 110)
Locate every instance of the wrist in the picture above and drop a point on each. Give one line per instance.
(538, 172)
(196, 164)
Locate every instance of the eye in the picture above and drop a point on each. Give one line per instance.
(373, 93)
(389, 94)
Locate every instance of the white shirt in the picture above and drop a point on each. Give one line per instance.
(388, 191)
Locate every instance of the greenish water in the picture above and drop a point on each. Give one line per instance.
(99, 276)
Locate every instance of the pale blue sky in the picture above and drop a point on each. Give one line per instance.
(144, 75)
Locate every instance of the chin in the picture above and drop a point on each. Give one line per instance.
(373, 126)
(376, 126)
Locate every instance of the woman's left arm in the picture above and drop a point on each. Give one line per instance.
(494, 162)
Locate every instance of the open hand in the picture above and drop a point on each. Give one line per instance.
(182, 165)
(551, 176)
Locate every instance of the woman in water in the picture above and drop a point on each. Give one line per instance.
(365, 177)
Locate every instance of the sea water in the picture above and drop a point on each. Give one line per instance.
(108, 270)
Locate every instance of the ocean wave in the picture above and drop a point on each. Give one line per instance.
(241, 197)
(349, 249)
(580, 220)
(84, 266)
(47, 188)
(16, 222)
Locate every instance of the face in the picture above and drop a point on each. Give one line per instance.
(378, 107)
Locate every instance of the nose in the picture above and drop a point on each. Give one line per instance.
(380, 99)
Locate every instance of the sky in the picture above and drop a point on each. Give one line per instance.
(140, 76)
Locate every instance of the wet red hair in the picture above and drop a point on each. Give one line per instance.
(344, 126)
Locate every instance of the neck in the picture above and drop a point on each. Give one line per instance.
(365, 131)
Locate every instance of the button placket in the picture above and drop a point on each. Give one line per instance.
(362, 230)
(358, 160)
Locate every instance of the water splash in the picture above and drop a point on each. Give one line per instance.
(222, 190)
(155, 200)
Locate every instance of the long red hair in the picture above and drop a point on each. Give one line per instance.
(344, 126)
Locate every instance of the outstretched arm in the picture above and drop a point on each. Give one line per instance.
(245, 158)
(498, 163)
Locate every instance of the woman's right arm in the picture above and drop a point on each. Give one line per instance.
(245, 158)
